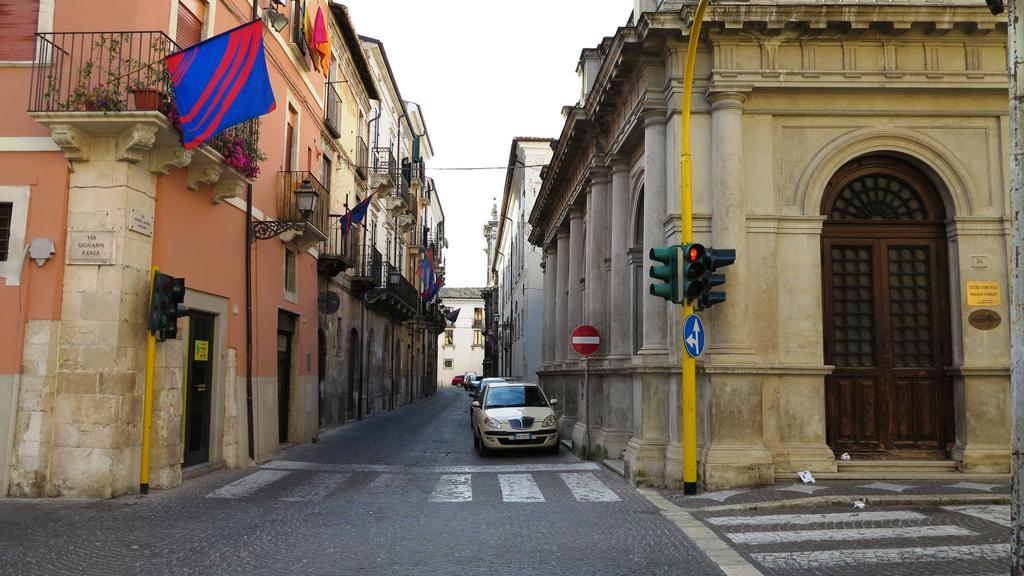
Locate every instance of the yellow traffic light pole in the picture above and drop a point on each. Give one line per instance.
(147, 405)
(686, 208)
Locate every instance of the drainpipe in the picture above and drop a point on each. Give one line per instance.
(248, 303)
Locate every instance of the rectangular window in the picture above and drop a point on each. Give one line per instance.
(289, 139)
(325, 172)
(449, 338)
(448, 363)
(190, 22)
(478, 338)
(290, 258)
(18, 29)
(478, 317)
(6, 209)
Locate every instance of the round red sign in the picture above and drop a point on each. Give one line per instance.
(585, 340)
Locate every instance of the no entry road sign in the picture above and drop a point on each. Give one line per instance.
(585, 340)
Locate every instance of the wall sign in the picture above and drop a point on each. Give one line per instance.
(983, 294)
(984, 319)
(140, 222)
(202, 353)
(90, 247)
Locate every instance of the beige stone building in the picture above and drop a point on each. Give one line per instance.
(854, 156)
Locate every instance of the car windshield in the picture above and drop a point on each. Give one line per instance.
(515, 397)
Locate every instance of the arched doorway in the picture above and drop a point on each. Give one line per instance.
(886, 312)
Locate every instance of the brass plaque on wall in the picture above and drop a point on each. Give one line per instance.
(984, 319)
(983, 294)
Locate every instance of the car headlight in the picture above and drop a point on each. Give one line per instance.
(492, 423)
(549, 421)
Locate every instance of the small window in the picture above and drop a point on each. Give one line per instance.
(448, 363)
(6, 209)
(478, 338)
(191, 14)
(290, 258)
(449, 338)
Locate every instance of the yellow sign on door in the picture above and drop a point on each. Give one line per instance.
(202, 351)
(983, 294)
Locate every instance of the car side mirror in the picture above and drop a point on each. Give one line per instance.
(476, 404)
(553, 402)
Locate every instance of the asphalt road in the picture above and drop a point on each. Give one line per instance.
(398, 493)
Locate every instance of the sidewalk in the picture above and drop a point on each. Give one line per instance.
(789, 494)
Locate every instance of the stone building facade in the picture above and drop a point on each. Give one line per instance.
(854, 156)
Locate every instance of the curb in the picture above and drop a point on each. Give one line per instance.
(847, 500)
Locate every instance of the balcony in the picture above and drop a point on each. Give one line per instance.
(315, 230)
(397, 298)
(114, 85)
(368, 272)
(425, 239)
(362, 158)
(401, 205)
(332, 114)
(383, 170)
(339, 252)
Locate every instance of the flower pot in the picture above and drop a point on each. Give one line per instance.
(147, 99)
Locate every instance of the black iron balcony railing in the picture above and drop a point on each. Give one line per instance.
(415, 172)
(333, 111)
(340, 251)
(383, 162)
(101, 72)
(403, 190)
(287, 183)
(369, 267)
(124, 72)
(362, 158)
(402, 289)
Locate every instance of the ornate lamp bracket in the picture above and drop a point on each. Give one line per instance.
(266, 229)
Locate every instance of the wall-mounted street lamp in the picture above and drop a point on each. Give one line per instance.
(275, 19)
(394, 277)
(305, 201)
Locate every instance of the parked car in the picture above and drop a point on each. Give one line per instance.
(480, 390)
(514, 415)
(468, 378)
(458, 379)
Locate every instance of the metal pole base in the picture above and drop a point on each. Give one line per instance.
(144, 488)
(689, 488)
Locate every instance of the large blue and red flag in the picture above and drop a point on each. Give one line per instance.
(453, 316)
(221, 82)
(426, 271)
(355, 215)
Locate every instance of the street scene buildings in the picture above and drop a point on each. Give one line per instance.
(261, 260)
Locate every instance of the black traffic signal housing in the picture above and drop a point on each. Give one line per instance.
(166, 305)
(667, 272)
(694, 273)
(713, 261)
(995, 6)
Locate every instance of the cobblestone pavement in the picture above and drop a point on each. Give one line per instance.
(896, 541)
(399, 493)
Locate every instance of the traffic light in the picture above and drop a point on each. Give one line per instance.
(713, 261)
(166, 305)
(694, 271)
(995, 6)
(667, 272)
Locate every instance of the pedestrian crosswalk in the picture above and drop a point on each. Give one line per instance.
(856, 541)
(310, 482)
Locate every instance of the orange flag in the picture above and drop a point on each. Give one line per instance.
(321, 42)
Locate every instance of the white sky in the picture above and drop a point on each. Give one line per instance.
(484, 72)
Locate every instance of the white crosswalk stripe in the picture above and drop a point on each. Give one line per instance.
(587, 488)
(1000, 514)
(519, 488)
(315, 483)
(830, 558)
(802, 519)
(847, 534)
(317, 488)
(247, 485)
(453, 488)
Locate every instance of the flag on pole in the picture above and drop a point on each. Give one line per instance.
(321, 42)
(429, 294)
(355, 215)
(454, 315)
(221, 82)
(307, 28)
(426, 271)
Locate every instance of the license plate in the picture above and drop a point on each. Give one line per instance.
(523, 436)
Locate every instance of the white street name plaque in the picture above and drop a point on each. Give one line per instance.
(90, 247)
(140, 222)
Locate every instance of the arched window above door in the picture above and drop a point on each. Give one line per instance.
(879, 189)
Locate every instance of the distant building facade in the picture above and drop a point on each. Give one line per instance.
(460, 348)
(515, 265)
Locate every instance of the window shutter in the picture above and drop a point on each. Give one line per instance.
(190, 26)
(19, 20)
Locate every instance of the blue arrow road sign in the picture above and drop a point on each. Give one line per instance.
(693, 335)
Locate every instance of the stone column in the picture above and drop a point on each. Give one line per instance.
(550, 267)
(645, 453)
(561, 317)
(595, 312)
(574, 382)
(736, 454)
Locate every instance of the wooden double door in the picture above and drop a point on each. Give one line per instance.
(886, 316)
